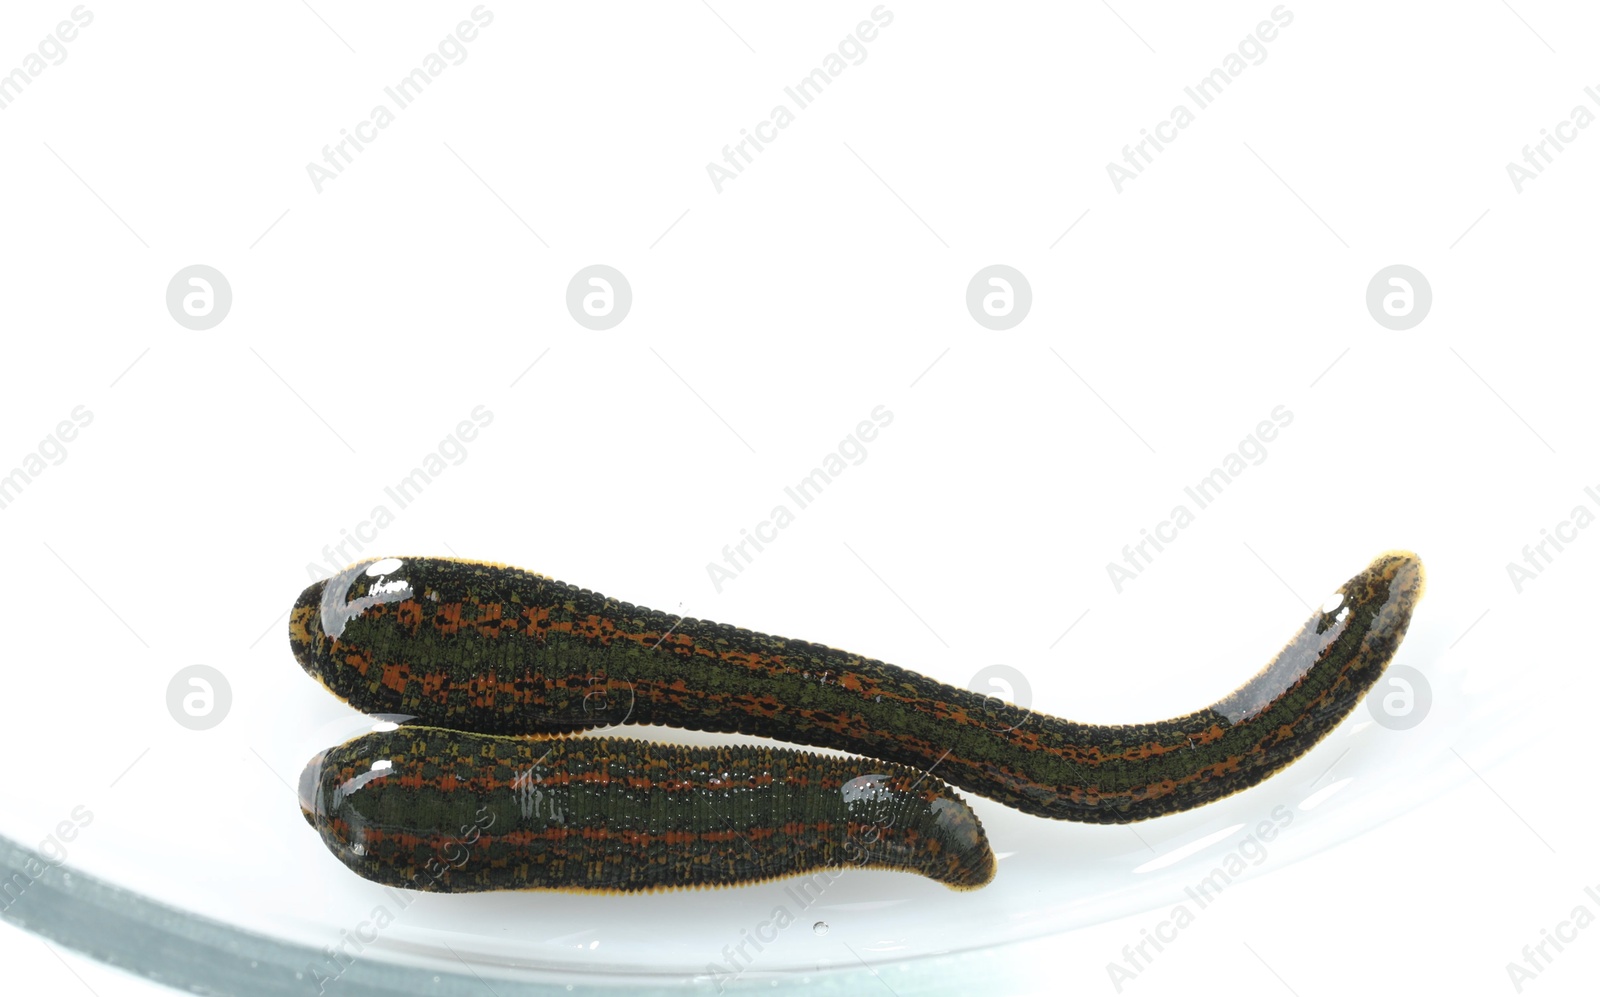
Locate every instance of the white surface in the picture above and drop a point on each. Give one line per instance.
(35, 966)
(767, 321)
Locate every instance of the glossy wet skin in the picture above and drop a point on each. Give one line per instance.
(484, 647)
(453, 811)
(310, 788)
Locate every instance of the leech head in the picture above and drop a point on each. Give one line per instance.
(1402, 572)
(311, 789)
(321, 797)
(334, 800)
(1369, 610)
(325, 608)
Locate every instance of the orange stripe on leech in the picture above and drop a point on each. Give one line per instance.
(555, 834)
(1152, 749)
(536, 619)
(433, 686)
(447, 617)
(604, 628)
(448, 620)
(394, 677)
(409, 614)
(359, 660)
(490, 620)
(487, 784)
(588, 626)
(481, 690)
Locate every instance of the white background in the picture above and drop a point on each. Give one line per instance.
(767, 321)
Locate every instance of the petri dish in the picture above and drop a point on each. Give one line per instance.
(181, 854)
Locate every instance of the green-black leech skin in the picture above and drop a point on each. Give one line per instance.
(477, 646)
(451, 811)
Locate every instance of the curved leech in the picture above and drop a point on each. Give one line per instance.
(485, 647)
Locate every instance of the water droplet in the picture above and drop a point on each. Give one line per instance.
(821, 927)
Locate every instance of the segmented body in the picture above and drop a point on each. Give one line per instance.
(453, 811)
(484, 647)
